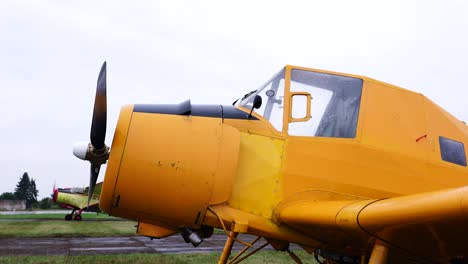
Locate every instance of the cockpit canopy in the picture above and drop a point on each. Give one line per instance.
(321, 104)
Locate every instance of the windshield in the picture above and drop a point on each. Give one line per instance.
(272, 93)
(335, 103)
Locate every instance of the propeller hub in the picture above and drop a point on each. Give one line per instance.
(80, 149)
(86, 151)
(97, 157)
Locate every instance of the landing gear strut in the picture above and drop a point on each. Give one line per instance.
(241, 227)
(379, 253)
(227, 247)
(232, 237)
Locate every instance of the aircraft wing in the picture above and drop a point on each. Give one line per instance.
(439, 219)
(79, 200)
(96, 191)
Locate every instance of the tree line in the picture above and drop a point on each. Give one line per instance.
(26, 190)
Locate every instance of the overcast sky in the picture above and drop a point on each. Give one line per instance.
(208, 51)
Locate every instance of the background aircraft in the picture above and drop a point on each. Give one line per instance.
(76, 199)
(350, 168)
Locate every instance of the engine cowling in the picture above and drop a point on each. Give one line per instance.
(167, 168)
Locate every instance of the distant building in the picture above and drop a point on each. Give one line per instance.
(12, 205)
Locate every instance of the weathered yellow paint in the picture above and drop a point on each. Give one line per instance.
(257, 185)
(444, 204)
(379, 253)
(287, 97)
(348, 167)
(169, 169)
(257, 225)
(398, 119)
(76, 200)
(166, 170)
(115, 157)
(388, 218)
(156, 231)
(258, 127)
(385, 159)
(227, 165)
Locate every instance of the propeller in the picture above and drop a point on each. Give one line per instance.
(54, 193)
(96, 152)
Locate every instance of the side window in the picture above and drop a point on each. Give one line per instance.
(320, 100)
(452, 151)
(334, 106)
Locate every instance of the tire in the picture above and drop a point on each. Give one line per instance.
(68, 217)
(77, 217)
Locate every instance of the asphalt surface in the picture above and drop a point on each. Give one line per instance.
(75, 246)
(63, 211)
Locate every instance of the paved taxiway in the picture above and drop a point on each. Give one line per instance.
(113, 245)
(72, 246)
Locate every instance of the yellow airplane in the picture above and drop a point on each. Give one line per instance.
(352, 169)
(76, 199)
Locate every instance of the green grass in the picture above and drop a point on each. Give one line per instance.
(56, 216)
(62, 228)
(261, 257)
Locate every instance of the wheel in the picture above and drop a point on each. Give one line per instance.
(77, 217)
(68, 217)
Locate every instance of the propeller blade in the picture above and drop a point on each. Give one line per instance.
(94, 173)
(54, 193)
(98, 125)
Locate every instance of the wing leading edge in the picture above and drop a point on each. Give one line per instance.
(440, 219)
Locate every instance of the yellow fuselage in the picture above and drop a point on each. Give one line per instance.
(167, 169)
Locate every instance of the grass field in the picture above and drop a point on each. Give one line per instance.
(47, 225)
(61, 228)
(56, 216)
(261, 257)
(53, 225)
